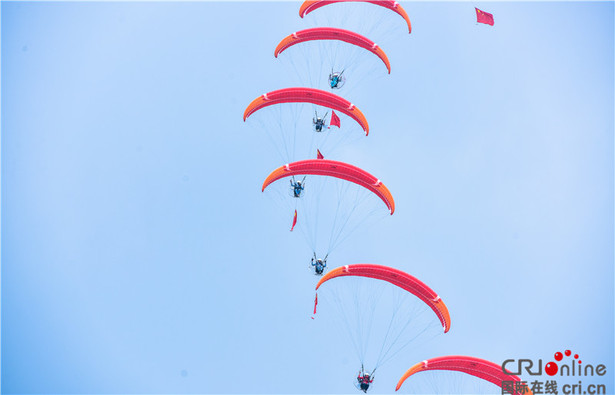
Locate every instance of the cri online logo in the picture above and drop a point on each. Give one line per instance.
(552, 368)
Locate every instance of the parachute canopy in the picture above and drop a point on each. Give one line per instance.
(398, 278)
(308, 95)
(341, 170)
(311, 5)
(331, 33)
(477, 367)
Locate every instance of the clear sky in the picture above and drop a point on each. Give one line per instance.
(140, 256)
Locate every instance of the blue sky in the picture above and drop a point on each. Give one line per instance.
(140, 256)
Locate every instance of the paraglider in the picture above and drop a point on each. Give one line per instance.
(319, 265)
(311, 5)
(477, 367)
(297, 187)
(336, 80)
(308, 95)
(341, 198)
(319, 122)
(394, 307)
(331, 33)
(398, 278)
(364, 380)
(331, 168)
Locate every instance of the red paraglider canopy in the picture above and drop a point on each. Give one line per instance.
(397, 278)
(311, 5)
(341, 170)
(308, 95)
(331, 33)
(477, 367)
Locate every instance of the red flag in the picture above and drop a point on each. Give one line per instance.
(294, 221)
(315, 304)
(484, 17)
(319, 155)
(335, 120)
